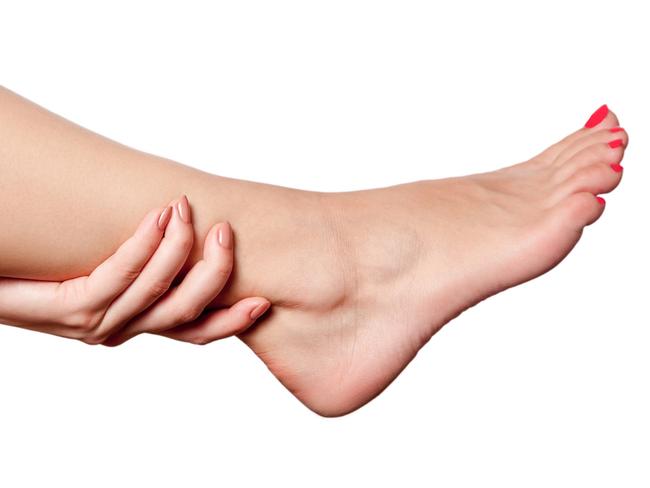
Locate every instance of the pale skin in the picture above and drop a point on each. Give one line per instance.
(359, 281)
(132, 291)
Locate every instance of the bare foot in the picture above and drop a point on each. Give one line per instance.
(412, 257)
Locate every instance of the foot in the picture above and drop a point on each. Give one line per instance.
(415, 256)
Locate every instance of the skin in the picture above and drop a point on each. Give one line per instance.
(131, 292)
(359, 281)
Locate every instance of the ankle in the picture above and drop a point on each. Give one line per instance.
(339, 275)
(378, 250)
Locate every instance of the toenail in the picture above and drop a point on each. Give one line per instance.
(597, 117)
(616, 129)
(616, 143)
(616, 167)
(601, 200)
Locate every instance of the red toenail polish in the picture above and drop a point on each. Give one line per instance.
(616, 167)
(597, 117)
(616, 129)
(616, 143)
(601, 200)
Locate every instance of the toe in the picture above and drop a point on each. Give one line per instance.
(577, 211)
(602, 118)
(615, 137)
(594, 178)
(602, 153)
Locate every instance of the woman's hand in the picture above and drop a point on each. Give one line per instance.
(130, 293)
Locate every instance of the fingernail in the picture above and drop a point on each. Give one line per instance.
(184, 209)
(601, 200)
(259, 310)
(616, 129)
(224, 235)
(615, 144)
(616, 167)
(163, 220)
(597, 117)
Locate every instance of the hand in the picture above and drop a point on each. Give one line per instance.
(130, 293)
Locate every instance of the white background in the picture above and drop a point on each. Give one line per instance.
(544, 385)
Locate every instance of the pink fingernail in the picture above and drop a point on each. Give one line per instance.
(616, 167)
(601, 200)
(616, 143)
(259, 310)
(616, 129)
(163, 220)
(184, 209)
(224, 235)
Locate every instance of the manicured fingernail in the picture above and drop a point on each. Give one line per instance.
(184, 209)
(163, 220)
(224, 235)
(601, 200)
(597, 117)
(616, 167)
(259, 310)
(616, 129)
(616, 143)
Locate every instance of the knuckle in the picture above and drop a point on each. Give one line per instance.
(223, 270)
(222, 275)
(129, 271)
(200, 341)
(91, 335)
(600, 150)
(150, 245)
(184, 240)
(84, 320)
(599, 171)
(189, 314)
(585, 175)
(93, 339)
(159, 287)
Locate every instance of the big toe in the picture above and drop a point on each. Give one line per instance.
(602, 118)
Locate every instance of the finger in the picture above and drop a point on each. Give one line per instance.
(221, 323)
(57, 308)
(157, 275)
(115, 274)
(200, 286)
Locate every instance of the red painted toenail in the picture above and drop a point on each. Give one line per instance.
(616, 167)
(601, 200)
(616, 143)
(597, 117)
(616, 129)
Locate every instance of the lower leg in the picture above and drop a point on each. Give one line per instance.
(70, 197)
